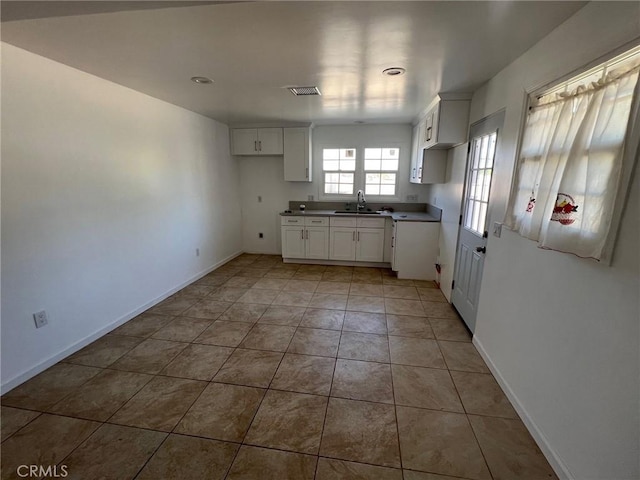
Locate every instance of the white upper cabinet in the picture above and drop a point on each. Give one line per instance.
(297, 154)
(257, 141)
(446, 124)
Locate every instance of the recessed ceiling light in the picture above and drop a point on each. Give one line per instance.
(201, 80)
(393, 71)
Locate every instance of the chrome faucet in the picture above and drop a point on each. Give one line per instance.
(361, 201)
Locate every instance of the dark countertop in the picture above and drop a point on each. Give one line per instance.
(399, 216)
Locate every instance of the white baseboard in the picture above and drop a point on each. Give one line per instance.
(548, 451)
(42, 366)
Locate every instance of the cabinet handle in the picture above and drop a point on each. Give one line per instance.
(413, 173)
(255, 145)
(420, 173)
(260, 145)
(429, 130)
(354, 235)
(316, 221)
(302, 234)
(306, 172)
(358, 237)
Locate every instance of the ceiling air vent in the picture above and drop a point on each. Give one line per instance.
(300, 91)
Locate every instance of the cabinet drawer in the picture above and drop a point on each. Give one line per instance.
(316, 221)
(370, 222)
(291, 220)
(343, 221)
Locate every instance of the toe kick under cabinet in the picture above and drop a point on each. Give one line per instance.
(414, 249)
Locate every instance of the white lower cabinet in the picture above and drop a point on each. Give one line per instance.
(305, 237)
(356, 239)
(415, 249)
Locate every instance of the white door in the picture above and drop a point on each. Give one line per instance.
(293, 242)
(370, 244)
(317, 242)
(342, 243)
(472, 238)
(245, 141)
(270, 141)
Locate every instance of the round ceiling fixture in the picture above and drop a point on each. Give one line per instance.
(394, 71)
(201, 80)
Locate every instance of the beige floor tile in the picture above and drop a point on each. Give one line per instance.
(293, 299)
(315, 341)
(305, 275)
(257, 295)
(254, 368)
(450, 448)
(104, 351)
(425, 284)
(227, 294)
(198, 362)
(364, 346)
(252, 272)
(208, 308)
(13, 419)
(361, 432)
(268, 283)
(400, 306)
(409, 326)
(509, 449)
(332, 301)
(439, 310)
(101, 396)
(372, 276)
(431, 295)
(450, 329)
(195, 290)
(425, 388)
(331, 469)
(330, 276)
(174, 305)
(49, 387)
(283, 315)
(390, 280)
(275, 338)
(419, 352)
(360, 380)
(304, 374)
(241, 282)
(143, 325)
(132, 447)
(223, 412)
(181, 457)
(160, 404)
(182, 329)
(322, 318)
(481, 395)
(399, 291)
(358, 303)
(280, 273)
(308, 286)
(463, 357)
(45, 441)
(255, 463)
(224, 334)
(150, 356)
(365, 322)
(366, 289)
(243, 312)
(288, 421)
(228, 270)
(312, 268)
(339, 288)
(212, 279)
(413, 475)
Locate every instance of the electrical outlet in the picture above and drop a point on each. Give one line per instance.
(412, 198)
(197, 252)
(259, 199)
(497, 229)
(309, 198)
(40, 318)
(261, 235)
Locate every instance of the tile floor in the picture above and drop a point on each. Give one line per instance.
(264, 370)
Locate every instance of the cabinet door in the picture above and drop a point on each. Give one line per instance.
(370, 244)
(342, 243)
(416, 151)
(270, 141)
(433, 168)
(293, 242)
(245, 141)
(297, 155)
(431, 127)
(317, 242)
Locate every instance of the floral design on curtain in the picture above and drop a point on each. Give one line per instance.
(571, 165)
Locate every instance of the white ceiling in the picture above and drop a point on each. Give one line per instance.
(253, 49)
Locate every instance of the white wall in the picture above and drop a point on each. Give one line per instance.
(561, 333)
(264, 176)
(106, 194)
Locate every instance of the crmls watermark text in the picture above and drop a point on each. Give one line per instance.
(39, 471)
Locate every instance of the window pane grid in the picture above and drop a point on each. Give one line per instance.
(380, 167)
(479, 182)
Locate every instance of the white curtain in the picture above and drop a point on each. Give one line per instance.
(571, 166)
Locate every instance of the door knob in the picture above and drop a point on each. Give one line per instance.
(481, 249)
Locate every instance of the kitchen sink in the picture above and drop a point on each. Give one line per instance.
(359, 213)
